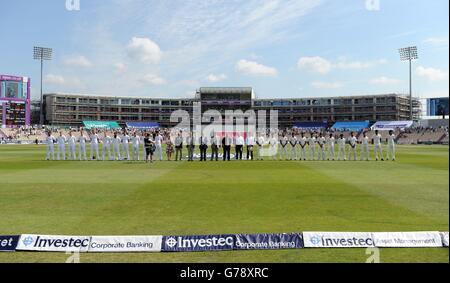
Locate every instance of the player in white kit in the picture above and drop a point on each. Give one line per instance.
(283, 151)
(260, 143)
(303, 142)
(94, 146)
(61, 147)
(378, 150)
(322, 141)
(82, 149)
(293, 144)
(116, 140)
(391, 146)
(106, 146)
(50, 141)
(341, 145)
(135, 142)
(331, 141)
(125, 146)
(353, 143)
(273, 147)
(158, 147)
(365, 147)
(72, 143)
(312, 147)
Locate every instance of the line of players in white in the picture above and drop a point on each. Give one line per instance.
(312, 147)
(323, 147)
(113, 148)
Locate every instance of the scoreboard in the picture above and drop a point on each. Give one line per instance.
(15, 114)
(14, 101)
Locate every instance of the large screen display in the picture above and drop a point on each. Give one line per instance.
(14, 101)
(12, 89)
(437, 106)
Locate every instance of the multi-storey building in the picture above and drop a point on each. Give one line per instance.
(72, 110)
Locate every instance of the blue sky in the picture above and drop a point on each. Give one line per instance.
(282, 48)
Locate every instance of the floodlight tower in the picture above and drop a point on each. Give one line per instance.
(409, 54)
(42, 53)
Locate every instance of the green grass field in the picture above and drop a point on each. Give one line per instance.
(111, 198)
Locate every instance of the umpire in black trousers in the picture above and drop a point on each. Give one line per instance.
(226, 144)
(214, 149)
(203, 148)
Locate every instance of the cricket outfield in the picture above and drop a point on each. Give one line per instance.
(181, 198)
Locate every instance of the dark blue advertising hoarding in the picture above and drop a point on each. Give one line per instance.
(268, 241)
(8, 243)
(198, 243)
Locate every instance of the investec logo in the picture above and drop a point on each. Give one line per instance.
(42, 242)
(192, 243)
(322, 241)
(316, 240)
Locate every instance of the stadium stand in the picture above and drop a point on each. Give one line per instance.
(414, 135)
(22, 135)
(423, 135)
(445, 139)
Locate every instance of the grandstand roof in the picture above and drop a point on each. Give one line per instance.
(237, 90)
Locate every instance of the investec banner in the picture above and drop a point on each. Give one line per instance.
(197, 243)
(53, 243)
(408, 240)
(117, 244)
(268, 241)
(8, 243)
(444, 237)
(337, 240)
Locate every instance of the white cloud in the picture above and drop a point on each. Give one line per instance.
(262, 12)
(327, 85)
(144, 50)
(358, 65)
(384, 81)
(437, 41)
(60, 80)
(255, 69)
(314, 65)
(120, 67)
(323, 66)
(54, 79)
(153, 79)
(200, 30)
(432, 74)
(193, 38)
(216, 78)
(78, 61)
